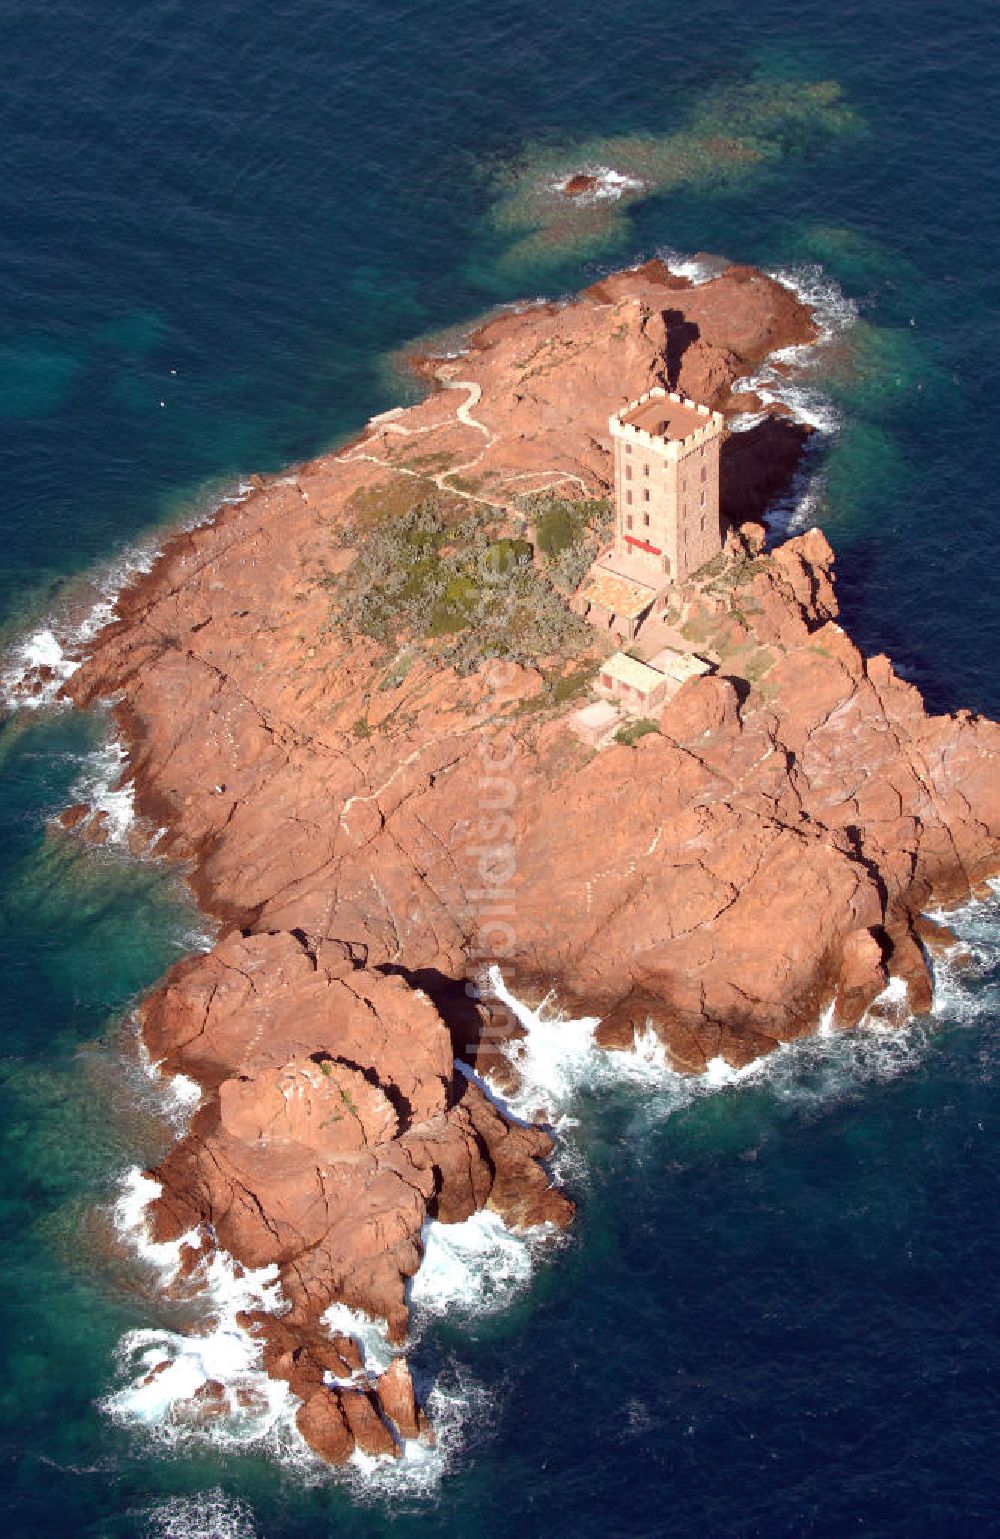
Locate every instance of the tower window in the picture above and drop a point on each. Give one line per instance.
(628, 448)
(703, 499)
(645, 495)
(645, 520)
(628, 472)
(628, 522)
(704, 472)
(645, 470)
(628, 497)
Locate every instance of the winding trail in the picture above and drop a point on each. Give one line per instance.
(386, 423)
(464, 412)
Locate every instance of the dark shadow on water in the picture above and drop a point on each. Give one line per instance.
(757, 467)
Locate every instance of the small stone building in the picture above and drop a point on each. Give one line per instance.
(595, 723)
(635, 684)
(678, 667)
(643, 687)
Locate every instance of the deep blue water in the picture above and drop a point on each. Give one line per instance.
(777, 1314)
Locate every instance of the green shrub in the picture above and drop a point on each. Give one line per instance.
(557, 529)
(568, 535)
(573, 685)
(447, 620)
(630, 732)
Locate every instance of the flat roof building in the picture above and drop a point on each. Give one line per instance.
(640, 686)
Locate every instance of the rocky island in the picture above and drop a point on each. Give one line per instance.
(352, 705)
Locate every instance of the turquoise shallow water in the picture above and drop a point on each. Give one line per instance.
(777, 1313)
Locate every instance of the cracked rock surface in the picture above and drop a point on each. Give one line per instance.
(764, 854)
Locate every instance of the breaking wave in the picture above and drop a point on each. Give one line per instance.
(207, 1382)
(458, 1407)
(474, 1268)
(37, 666)
(558, 1059)
(104, 786)
(609, 185)
(454, 1401)
(696, 269)
(480, 1267)
(368, 1334)
(793, 377)
(177, 1095)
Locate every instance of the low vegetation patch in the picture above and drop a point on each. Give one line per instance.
(423, 575)
(371, 506)
(630, 732)
(562, 687)
(568, 534)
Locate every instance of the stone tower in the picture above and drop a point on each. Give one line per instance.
(667, 521)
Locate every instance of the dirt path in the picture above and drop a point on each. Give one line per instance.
(387, 423)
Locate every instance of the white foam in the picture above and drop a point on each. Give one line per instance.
(480, 1266)
(59, 642)
(205, 1515)
(559, 1059)
(57, 645)
(170, 1368)
(452, 1401)
(164, 1369)
(826, 1026)
(40, 651)
(556, 1056)
(167, 1368)
(473, 1268)
(834, 311)
(456, 1406)
(797, 385)
(649, 1050)
(368, 1334)
(609, 185)
(179, 1100)
(720, 1073)
(967, 975)
(697, 270)
(178, 1096)
(153, 1098)
(102, 785)
(184, 1091)
(131, 1220)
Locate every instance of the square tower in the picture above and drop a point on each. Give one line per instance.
(666, 451)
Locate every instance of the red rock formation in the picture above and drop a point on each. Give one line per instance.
(396, 1394)
(580, 184)
(323, 1424)
(761, 856)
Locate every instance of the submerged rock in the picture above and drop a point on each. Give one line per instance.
(579, 185)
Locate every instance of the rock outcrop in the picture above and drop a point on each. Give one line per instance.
(335, 1128)
(372, 829)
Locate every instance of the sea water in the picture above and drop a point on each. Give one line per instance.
(218, 227)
